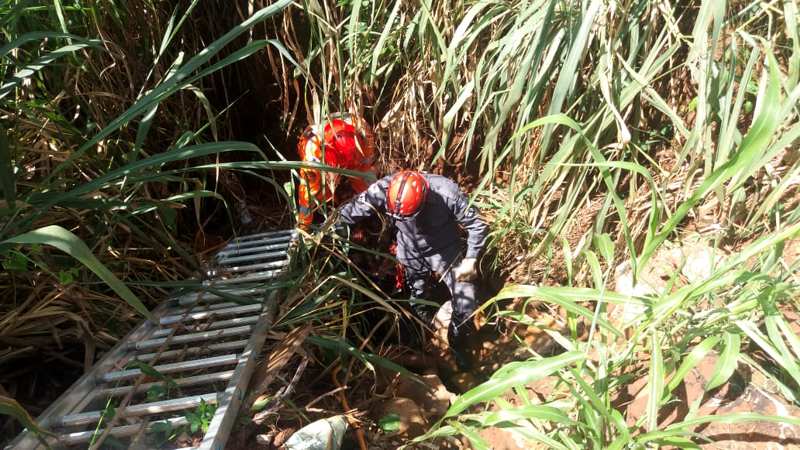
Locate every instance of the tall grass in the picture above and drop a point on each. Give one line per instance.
(591, 133)
(110, 155)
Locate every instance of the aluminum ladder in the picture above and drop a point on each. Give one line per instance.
(203, 345)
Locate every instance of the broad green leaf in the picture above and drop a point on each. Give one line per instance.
(691, 361)
(504, 380)
(727, 362)
(655, 381)
(539, 412)
(62, 239)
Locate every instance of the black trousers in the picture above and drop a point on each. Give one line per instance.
(420, 268)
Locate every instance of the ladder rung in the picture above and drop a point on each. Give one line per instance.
(249, 278)
(181, 382)
(191, 299)
(251, 267)
(219, 312)
(142, 409)
(81, 437)
(262, 241)
(169, 354)
(250, 237)
(255, 257)
(213, 307)
(249, 250)
(204, 363)
(249, 320)
(192, 337)
(179, 311)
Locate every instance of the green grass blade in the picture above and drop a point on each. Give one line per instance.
(175, 83)
(10, 407)
(64, 240)
(379, 46)
(32, 68)
(691, 361)
(344, 347)
(655, 382)
(787, 363)
(35, 36)
(153, 162)
(727, 362)
(567, 75)
(470, 433)
(739, 166)
(567, 298)
(520, 375)
(538, 412)
(62, 21)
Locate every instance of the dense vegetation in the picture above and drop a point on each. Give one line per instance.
(591, 133)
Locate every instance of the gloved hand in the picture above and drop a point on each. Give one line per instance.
(466, 270)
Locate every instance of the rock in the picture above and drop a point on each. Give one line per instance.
(696, 260)
(432, 396)
(500, 439)
(693, 260)
(324, 434)
(743, 393)
(410, 420)
(750, 435)
(753, 435)
(623, 280)
(636, 395)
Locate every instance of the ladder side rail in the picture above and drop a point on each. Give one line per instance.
(227, 410)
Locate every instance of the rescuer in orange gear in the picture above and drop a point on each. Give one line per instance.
(344, 142)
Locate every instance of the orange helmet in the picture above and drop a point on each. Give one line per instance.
(407, 192)
(344, 143)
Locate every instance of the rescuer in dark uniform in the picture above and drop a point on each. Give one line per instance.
(427, 211)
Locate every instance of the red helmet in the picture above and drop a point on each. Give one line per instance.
(345, 143)
(407, 192)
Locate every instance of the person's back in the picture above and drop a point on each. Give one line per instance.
(344, 142)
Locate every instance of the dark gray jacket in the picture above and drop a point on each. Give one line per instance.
(435, 229)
